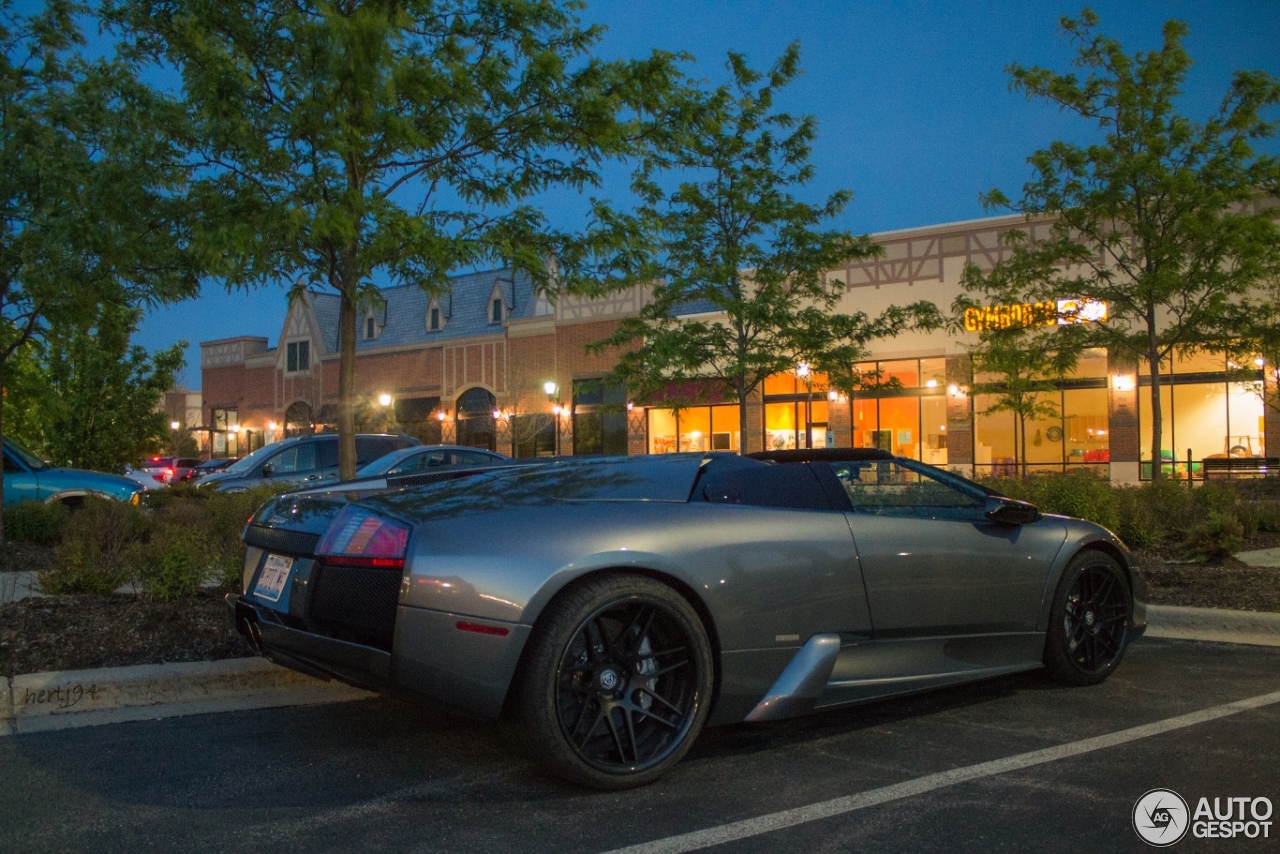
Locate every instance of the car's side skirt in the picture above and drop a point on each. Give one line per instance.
(866, 670)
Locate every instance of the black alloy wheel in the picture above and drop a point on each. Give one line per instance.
(1089, 624)
(617, 684)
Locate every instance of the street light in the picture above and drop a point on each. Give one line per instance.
(803, 372)
(553, 397)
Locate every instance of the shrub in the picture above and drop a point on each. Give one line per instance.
(1268, 515)
(35, 522)
(78, 568)
(92, 555)
(1215, 538)
(1080, 493)
(1140, 523)
(174, 562)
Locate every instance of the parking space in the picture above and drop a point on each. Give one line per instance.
(389, 774)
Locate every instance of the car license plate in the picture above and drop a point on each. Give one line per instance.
(274, 576)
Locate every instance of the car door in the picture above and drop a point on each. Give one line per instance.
(933, 563)
(20, 483)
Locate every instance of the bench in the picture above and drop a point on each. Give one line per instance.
(1240, 466)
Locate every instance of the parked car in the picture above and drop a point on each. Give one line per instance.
(428, 457)
(209, 467)
(29, 478)
(171, 469)
(608, 608)
(308, 460)
(144, 477)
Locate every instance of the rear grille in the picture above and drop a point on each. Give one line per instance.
(356, 604)
(281, 540)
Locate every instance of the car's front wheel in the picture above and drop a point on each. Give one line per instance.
(1089, 623)
(616, 683)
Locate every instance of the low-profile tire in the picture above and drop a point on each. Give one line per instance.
(1089, 626)
(615, 684)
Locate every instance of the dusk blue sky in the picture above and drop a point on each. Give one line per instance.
(914, 110)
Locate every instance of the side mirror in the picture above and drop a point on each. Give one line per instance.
(1010, 511)
(268, 469)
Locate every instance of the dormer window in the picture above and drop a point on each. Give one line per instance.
(495, 310)
(437, 314)
(370, 327)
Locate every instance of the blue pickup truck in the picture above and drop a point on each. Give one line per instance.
(29, 478)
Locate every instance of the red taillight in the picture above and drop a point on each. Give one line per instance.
(360, 538)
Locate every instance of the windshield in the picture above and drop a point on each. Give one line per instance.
(247, 464)
(29, 459)
(383, 464)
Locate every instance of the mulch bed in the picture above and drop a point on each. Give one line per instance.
(79, 632)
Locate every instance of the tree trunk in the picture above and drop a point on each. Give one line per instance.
(347, 382)
(1022, 441)
(740, 384)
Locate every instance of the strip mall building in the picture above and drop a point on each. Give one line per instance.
(469, 367)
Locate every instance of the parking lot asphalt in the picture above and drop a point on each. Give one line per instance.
(394, 775)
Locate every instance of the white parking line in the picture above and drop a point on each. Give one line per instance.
(839, 806)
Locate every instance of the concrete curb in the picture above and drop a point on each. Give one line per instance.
(1213, 624)
(39, 702)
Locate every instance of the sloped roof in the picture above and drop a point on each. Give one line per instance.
(402, 320)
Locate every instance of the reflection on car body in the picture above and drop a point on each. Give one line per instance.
(609, 608)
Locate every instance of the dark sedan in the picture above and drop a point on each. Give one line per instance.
(607, 609)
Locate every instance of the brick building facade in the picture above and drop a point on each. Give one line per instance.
(448, 364)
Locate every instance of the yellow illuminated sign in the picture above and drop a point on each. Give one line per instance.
(1062, 312)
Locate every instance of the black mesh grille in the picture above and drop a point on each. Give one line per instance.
(281, 540)
(354, 603)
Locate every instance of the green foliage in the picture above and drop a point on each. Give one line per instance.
(35, 522)
(733, 238)
(91, 206)
(1027, 367)
(91, 398)
(185, 538)
(342, 140)
(1157, 217)
(173, 562)
(92, 555)
(1218, 536)
(1080, 493)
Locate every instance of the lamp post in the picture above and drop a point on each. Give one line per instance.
(553, 397)
(803, 372)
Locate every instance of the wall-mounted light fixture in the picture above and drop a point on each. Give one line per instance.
(384, 399)
(958, 391)
(174, 425)
(1123, 382)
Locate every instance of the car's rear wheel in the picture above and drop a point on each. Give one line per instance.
(1089, 623)
(616, 683)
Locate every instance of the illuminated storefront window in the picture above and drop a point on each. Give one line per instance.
(694, 428)
(1208, 408)
(1077, 437)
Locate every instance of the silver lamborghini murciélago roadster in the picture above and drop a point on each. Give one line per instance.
(607, 609)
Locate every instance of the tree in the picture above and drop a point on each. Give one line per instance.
(96, 396)
(1028, 364)
(401, 137)
(1162, 219)
(91, 209)
(732, 240)
(1256, 347)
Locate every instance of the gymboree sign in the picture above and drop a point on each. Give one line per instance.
(1062, 312)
